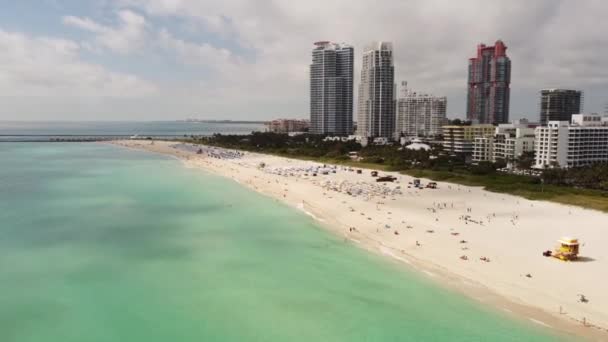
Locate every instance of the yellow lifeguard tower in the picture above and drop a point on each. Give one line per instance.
(567, 249)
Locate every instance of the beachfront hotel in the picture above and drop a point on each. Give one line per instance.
(459, 139)
(419, 114)
(376, 110)
(581, 142)
(331, 89)
(508, 143)
(559, 104)
(489, 85)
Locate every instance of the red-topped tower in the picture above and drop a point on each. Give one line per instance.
(489, 85)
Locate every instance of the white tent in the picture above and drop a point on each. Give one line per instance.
(417, 145)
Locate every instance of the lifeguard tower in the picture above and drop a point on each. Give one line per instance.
(567, 250)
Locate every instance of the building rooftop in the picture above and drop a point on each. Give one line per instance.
(582, 120)
(327, 45)
(473, 126)
(560, 90)
(379, 45)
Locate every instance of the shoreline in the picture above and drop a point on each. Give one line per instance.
(473, 290)
(510, 294)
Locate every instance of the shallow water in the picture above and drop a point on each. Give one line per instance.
(99, 243)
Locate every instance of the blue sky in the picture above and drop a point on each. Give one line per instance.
(244, 59)
(44, 18)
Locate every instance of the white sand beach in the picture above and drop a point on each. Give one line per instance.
(444, 233)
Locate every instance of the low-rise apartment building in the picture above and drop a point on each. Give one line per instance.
(508, 142)
(581, 142)
(460, 139)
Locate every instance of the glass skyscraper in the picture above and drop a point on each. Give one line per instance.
(331, 89)
(376, 107)
(559, 104)
(489, 85)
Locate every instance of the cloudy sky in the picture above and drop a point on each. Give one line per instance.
(248, 59)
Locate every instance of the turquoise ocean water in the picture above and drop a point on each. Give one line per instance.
(99, 243)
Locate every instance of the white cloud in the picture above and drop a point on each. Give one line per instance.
(128, 36)
(551, 42)
(83, 23)
(217, 59)
(51, 67)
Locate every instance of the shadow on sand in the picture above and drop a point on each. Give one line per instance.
(584, 259)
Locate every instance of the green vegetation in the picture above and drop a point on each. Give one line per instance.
(311, 146)
(524, 186)
(585, 187)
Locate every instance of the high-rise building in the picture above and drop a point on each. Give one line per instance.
(583, 141)
(489, 85)
(376, 110)
(419, 115)
(559, 104)
(331, 89)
